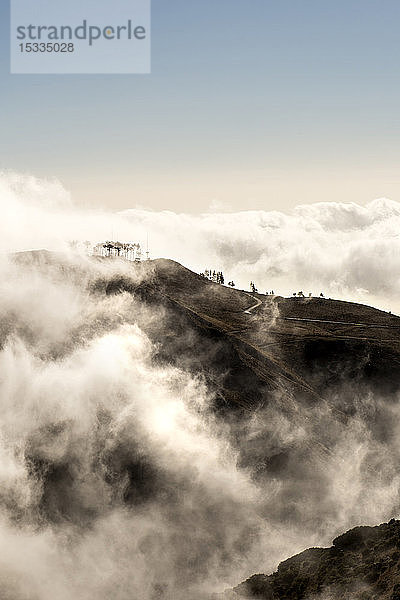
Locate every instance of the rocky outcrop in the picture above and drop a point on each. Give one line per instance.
(362, 564)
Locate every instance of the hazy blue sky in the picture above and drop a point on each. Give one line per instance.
(250, 104)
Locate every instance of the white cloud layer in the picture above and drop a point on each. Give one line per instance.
(346, 250)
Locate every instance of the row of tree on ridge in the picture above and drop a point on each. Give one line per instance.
(218, 277)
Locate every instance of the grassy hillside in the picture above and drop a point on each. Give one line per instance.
(336, 339)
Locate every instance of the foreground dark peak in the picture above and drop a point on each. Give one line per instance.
(362, 564)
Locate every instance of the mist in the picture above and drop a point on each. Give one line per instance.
(118, 476)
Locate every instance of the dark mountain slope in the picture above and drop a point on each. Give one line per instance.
(336, 341)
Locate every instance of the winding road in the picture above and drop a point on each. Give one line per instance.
(374, 325)
(248, 310)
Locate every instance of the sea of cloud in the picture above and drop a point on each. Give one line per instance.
(344, 250)
(116, 478)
